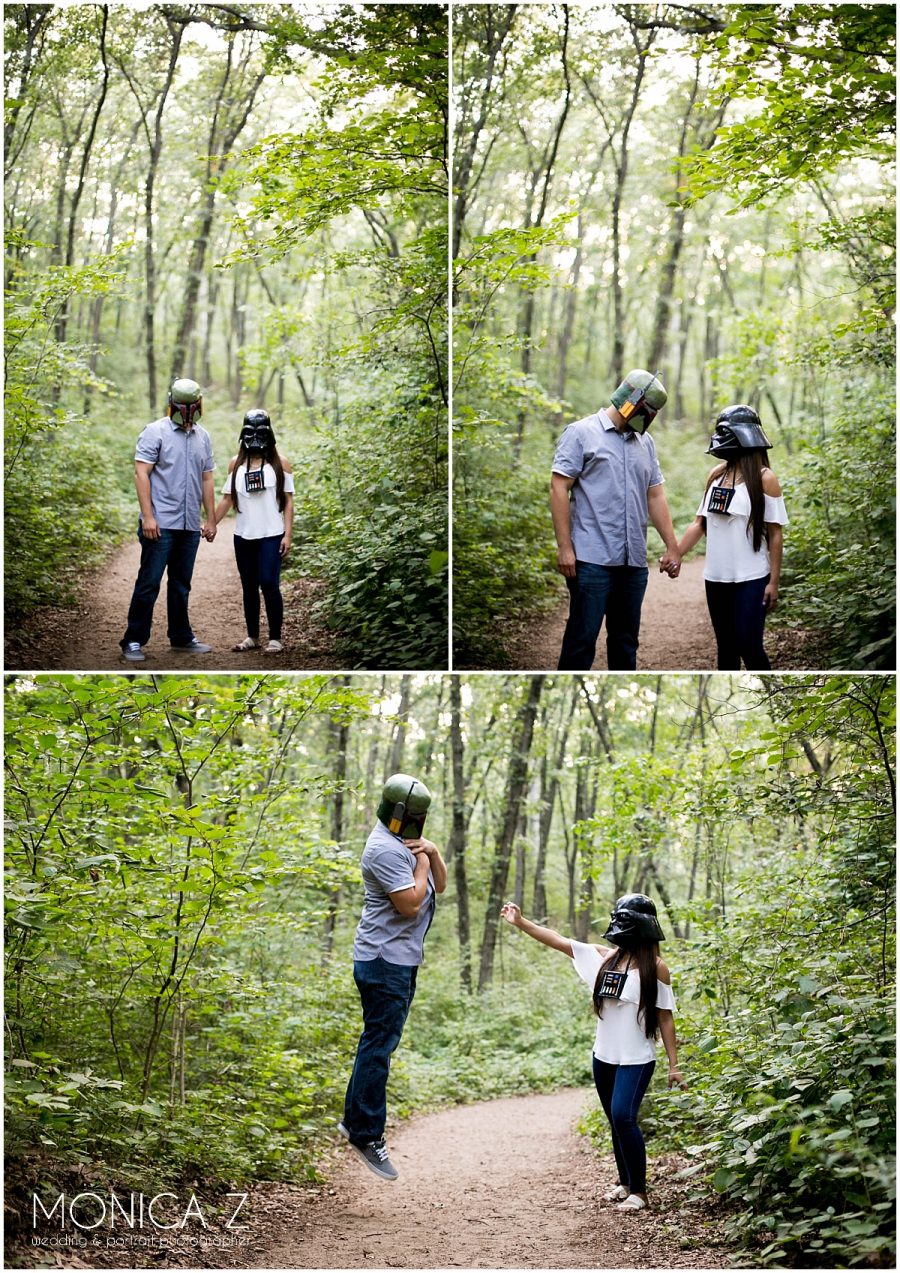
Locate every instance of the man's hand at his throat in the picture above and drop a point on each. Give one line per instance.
(421, 846)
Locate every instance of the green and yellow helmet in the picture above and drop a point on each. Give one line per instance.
(404, 806)
(185, 401)
(638, 398)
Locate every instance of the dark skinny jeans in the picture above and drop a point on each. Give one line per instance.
(621, 1089)
(259, 565)
(738, 619)
(386, 992)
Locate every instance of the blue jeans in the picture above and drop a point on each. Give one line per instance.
(175, 551)
(615, 592)
(259, 565)
(386, 991)
(738, 619)
(621, 1089)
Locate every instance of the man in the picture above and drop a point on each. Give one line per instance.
(173, 473)
(401, 872)
(605, 484)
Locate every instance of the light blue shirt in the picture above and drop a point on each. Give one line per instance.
(613, 472)
(387, 865)
(179, 459)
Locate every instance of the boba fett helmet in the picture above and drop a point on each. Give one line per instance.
(404, 806)
(738, 430)
(633, 922)
(638, 398)
(185, 401)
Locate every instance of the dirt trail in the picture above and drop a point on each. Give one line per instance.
(501, 1184)
(676, 634)
(87, 637)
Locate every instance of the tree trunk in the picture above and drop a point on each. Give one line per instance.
(469, 129)
(401, 726)
(223, 134)
(457, 849)
(515, 794)
(176, 33)
(340, 735)
(549, 791)
(62, 318)
(617, 361)
(542, 175)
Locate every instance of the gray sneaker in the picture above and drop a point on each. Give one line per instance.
(194, 647)
(133, 652)
(375, 1156)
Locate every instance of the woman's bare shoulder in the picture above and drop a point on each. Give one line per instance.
(662, 971)
(286, 465)
(770, 483)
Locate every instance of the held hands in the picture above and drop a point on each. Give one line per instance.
(565, 562)
(208, 529)
(670, 563)
(676, 1078)
(770, 597)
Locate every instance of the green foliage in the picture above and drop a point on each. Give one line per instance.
(821, 81)
(291, 199)
(57, 470)
(787, 1018)
(461, 1049)
(148, 855)
(840, 576)
(754, 250)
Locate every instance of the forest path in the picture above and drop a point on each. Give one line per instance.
(86, 637)
(499, 1184)
(676, 633)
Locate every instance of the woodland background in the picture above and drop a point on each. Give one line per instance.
(705, 191)
(254, 196)
(183, 887)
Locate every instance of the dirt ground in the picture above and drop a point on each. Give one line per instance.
(500, 1184)
(86, 637)
(676, 634)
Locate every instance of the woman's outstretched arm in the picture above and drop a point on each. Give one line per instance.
(513, 915)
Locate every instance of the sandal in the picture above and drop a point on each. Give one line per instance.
(248, 643)
(616, 1194)
(632, 1203)
(274, 647)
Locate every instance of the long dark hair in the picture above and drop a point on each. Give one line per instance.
(644, 957)
(270, 456)
(750, 465)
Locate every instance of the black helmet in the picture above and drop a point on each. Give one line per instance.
(256, 432)
(738, 429)
(404, 806)
(634, 922)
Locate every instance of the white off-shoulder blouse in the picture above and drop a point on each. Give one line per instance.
(620, 1038)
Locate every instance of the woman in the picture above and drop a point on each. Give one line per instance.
(741, 514)
(260, 487)
(633, 1001)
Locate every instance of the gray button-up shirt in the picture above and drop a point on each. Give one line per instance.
(179, 459)
(387, 865)
(613, 472)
